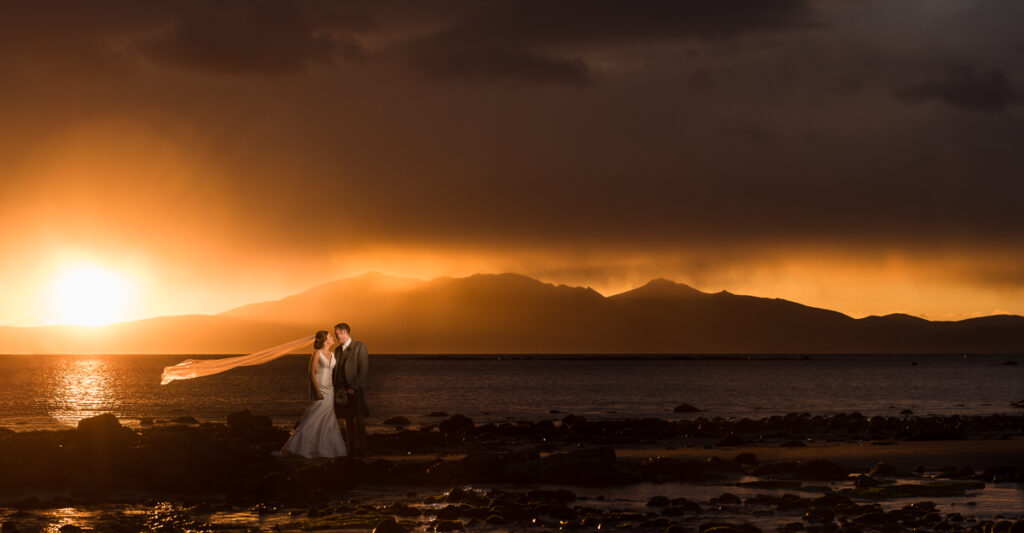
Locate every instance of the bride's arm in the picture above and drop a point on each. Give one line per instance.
(314, 362)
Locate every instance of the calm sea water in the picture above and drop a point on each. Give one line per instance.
(45, 392)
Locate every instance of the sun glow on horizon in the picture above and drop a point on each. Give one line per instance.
(88, 295)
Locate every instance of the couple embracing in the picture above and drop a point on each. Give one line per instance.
(336, 381)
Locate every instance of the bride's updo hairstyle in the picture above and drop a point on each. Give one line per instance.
(321, 338)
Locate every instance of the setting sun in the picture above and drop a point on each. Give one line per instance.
(88, 295)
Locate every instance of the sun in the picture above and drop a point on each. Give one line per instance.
(88, 295)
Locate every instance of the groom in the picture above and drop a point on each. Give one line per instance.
(350, 376)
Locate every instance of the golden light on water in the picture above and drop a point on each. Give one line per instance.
(82, 388)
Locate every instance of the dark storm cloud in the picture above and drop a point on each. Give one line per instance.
(967, 88)
(456, 61)
(708, 129)
(267, 37)
(533, 41)
(540, 40)
(259, 37)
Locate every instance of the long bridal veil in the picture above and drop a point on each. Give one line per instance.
(194, 368)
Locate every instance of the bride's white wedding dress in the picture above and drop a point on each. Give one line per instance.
(318, 434)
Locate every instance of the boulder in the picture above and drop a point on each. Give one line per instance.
(456, 428)
(659, 501)
(686, 408)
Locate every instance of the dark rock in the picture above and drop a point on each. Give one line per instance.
(187, 419)
(726, 499)
(938, 434)
(906, 412)
(719, 527)
(456, 427)
(401, 509)
(1009, 362)
(438, 414)
(730, 440)
(866, 481)
(441, 526)
(9, 527)
(103, 426)
(69, 528)
(962, 473)
(676, 528)
(397, 421)
(573, 420)
(746, 458)
(819, 515)
(655, 523)
(146, 421)
(686, 408)
(659, 501)
(883, 469)
(560, 496)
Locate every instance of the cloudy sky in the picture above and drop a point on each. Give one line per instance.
(861, 155)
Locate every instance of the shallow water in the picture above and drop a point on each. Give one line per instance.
(46, 392)
(994, 501)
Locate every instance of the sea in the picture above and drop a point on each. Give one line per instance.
(41, 392)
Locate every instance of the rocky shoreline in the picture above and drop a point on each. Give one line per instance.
(498, 470)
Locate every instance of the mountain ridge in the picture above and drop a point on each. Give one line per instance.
(513, 313)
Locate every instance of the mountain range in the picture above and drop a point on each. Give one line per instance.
(511, 313)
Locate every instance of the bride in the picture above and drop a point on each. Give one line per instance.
(318, 433)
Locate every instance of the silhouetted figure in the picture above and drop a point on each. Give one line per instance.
(350, 377)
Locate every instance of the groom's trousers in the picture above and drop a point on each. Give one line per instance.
(355, 434)
(355, 423)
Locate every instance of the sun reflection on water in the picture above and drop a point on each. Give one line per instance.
(82, 388)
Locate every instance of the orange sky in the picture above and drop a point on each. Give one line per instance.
(831, 154)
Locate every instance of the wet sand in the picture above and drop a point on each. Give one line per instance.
(979, 454)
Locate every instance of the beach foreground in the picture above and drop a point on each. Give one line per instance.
(784, 473)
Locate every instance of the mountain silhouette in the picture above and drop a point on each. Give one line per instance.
(511, 313)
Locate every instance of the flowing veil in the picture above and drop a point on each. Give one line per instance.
(194, 368)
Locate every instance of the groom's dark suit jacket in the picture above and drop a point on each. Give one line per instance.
(350, 373)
